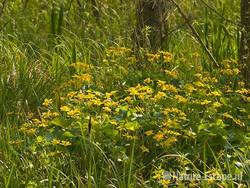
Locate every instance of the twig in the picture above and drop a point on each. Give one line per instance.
(195, 33)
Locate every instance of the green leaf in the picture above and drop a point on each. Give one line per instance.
(132, 126)
(39, 139)
(68, 134)
(58, 122)
(109, 131)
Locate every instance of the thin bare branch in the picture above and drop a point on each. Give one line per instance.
(195, 33)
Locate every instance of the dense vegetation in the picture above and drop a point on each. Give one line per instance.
(82, 106)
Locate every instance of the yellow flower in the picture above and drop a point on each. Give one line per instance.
(214, 80)
(49, 114)
(166, 87)
(160, 83)
(158, 174)
(83, 77)
(142, 96)
(227, 115)
(36, 121)
(166, 56)
(107, 109)
(159, 136)
(110, 103)
(215, 93)
(30, 131)
(174, 110)
(172, 123)
(228, 63)
(132, 59)
(159, 95)
(82, 96)
(65, 143)
(238, 122)
(127, 99)
(83, 66)
(217, 104)
(230, 72)
(205, 102)
(247, 99)
(168, 142)
(173, 74)
(199, 84)
(65, 108)
(30, 115)
(169, 132)
(43, 124)
(75, 113)
(189, 88)
(117, 51)
(243, 91)
(148, 133)
(47, 102)
(180, 99)
(113, 122)
(152, 57)
(236, 71)
(133, 91)
(95, 102)
(110, 94)
(148, 81)
(198, 75)
(55, 142)
(71, 94)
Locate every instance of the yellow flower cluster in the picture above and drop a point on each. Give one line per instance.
(167, 57)
(166, 87)
(230, 72)
(172, 110)
(189, 88)
(153, 57)
(159, 95)
(60, 142)
(28, 129)
(82, 66)
(117, 51)
(83, 77)
(173, 73)
(229, 63)
(47, 102)
(181, 99)
(160, 178)
(142, 92)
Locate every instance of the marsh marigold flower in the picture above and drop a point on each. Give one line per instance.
(159, 96)
(180, 99)
(47, 102)
(65, 108)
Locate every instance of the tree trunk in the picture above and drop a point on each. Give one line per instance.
(151, 29)
(245, 39)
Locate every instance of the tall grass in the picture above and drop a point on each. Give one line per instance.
(39, 43)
